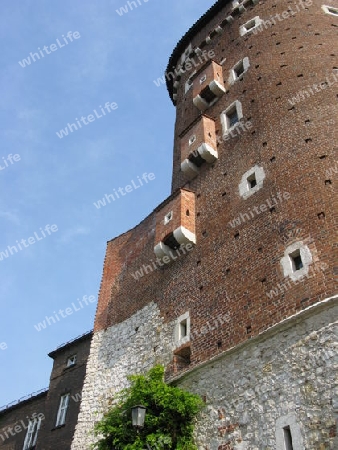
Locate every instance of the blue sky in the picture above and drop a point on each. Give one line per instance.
(54, 181)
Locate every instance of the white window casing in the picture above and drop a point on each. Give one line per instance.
(168, 217)
(233, 75)
(179, 339)
(226, 128)
(333, 11)
(250, 25)
(32, 433)
(287, 261)
(288, 421)
(245, 191)
(61, 416)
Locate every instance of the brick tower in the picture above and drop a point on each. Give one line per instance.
(231, 282)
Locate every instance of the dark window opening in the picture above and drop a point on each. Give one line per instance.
(239, 69)
(171, 242)
(196, 159)
(252, 182)
(297, 262)
(288, 438)
(232, 117)
(208, 95)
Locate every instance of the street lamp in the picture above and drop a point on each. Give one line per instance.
(138, 414)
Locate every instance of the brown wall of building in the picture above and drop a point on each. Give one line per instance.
(14, 421)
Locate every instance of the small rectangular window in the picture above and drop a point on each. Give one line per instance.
(192, 139)
(288, 438)
(61, 416)
(250, 25)
(252, 182)
(203, 79)
(183, 329)
(232, 117)
(32, 434)
(168, 217)
(296, 259)
(71, 361)
(330, 10)
(239, 69)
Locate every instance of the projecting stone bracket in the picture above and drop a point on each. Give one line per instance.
(181, 235)
(216, 90)
(204, 151)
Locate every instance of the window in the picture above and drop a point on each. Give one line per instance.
(296, 260)
(252, 182)
(287, 438)
(231, 116)
(32, 433)
(288, 433)
(250, 25)
(168, 217)
(239, 69)
(61, 417)
(71, 361)
(330, 10)
(183, 331)
(192, 139)
(203, 79)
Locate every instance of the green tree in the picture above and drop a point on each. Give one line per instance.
(169, 421)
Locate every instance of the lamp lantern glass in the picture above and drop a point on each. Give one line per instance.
(138, 414)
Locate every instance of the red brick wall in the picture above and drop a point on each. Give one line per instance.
(231, 269)
(204, 130)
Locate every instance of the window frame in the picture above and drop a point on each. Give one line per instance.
(243, 30)
(32, 433)
(62, 410)
(327, 8)
(245, 62)
(71, 364)
(225, 120)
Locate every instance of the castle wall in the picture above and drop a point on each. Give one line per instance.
(285, 377)
(238, 281)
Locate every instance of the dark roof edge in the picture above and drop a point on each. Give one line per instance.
(22, 401)
(186, 39)
(70, 343)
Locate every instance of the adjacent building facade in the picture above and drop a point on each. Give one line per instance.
(46, 421)
(231, 283)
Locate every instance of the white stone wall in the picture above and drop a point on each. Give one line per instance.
(287, 376)
(115, 353)
(290, 376)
